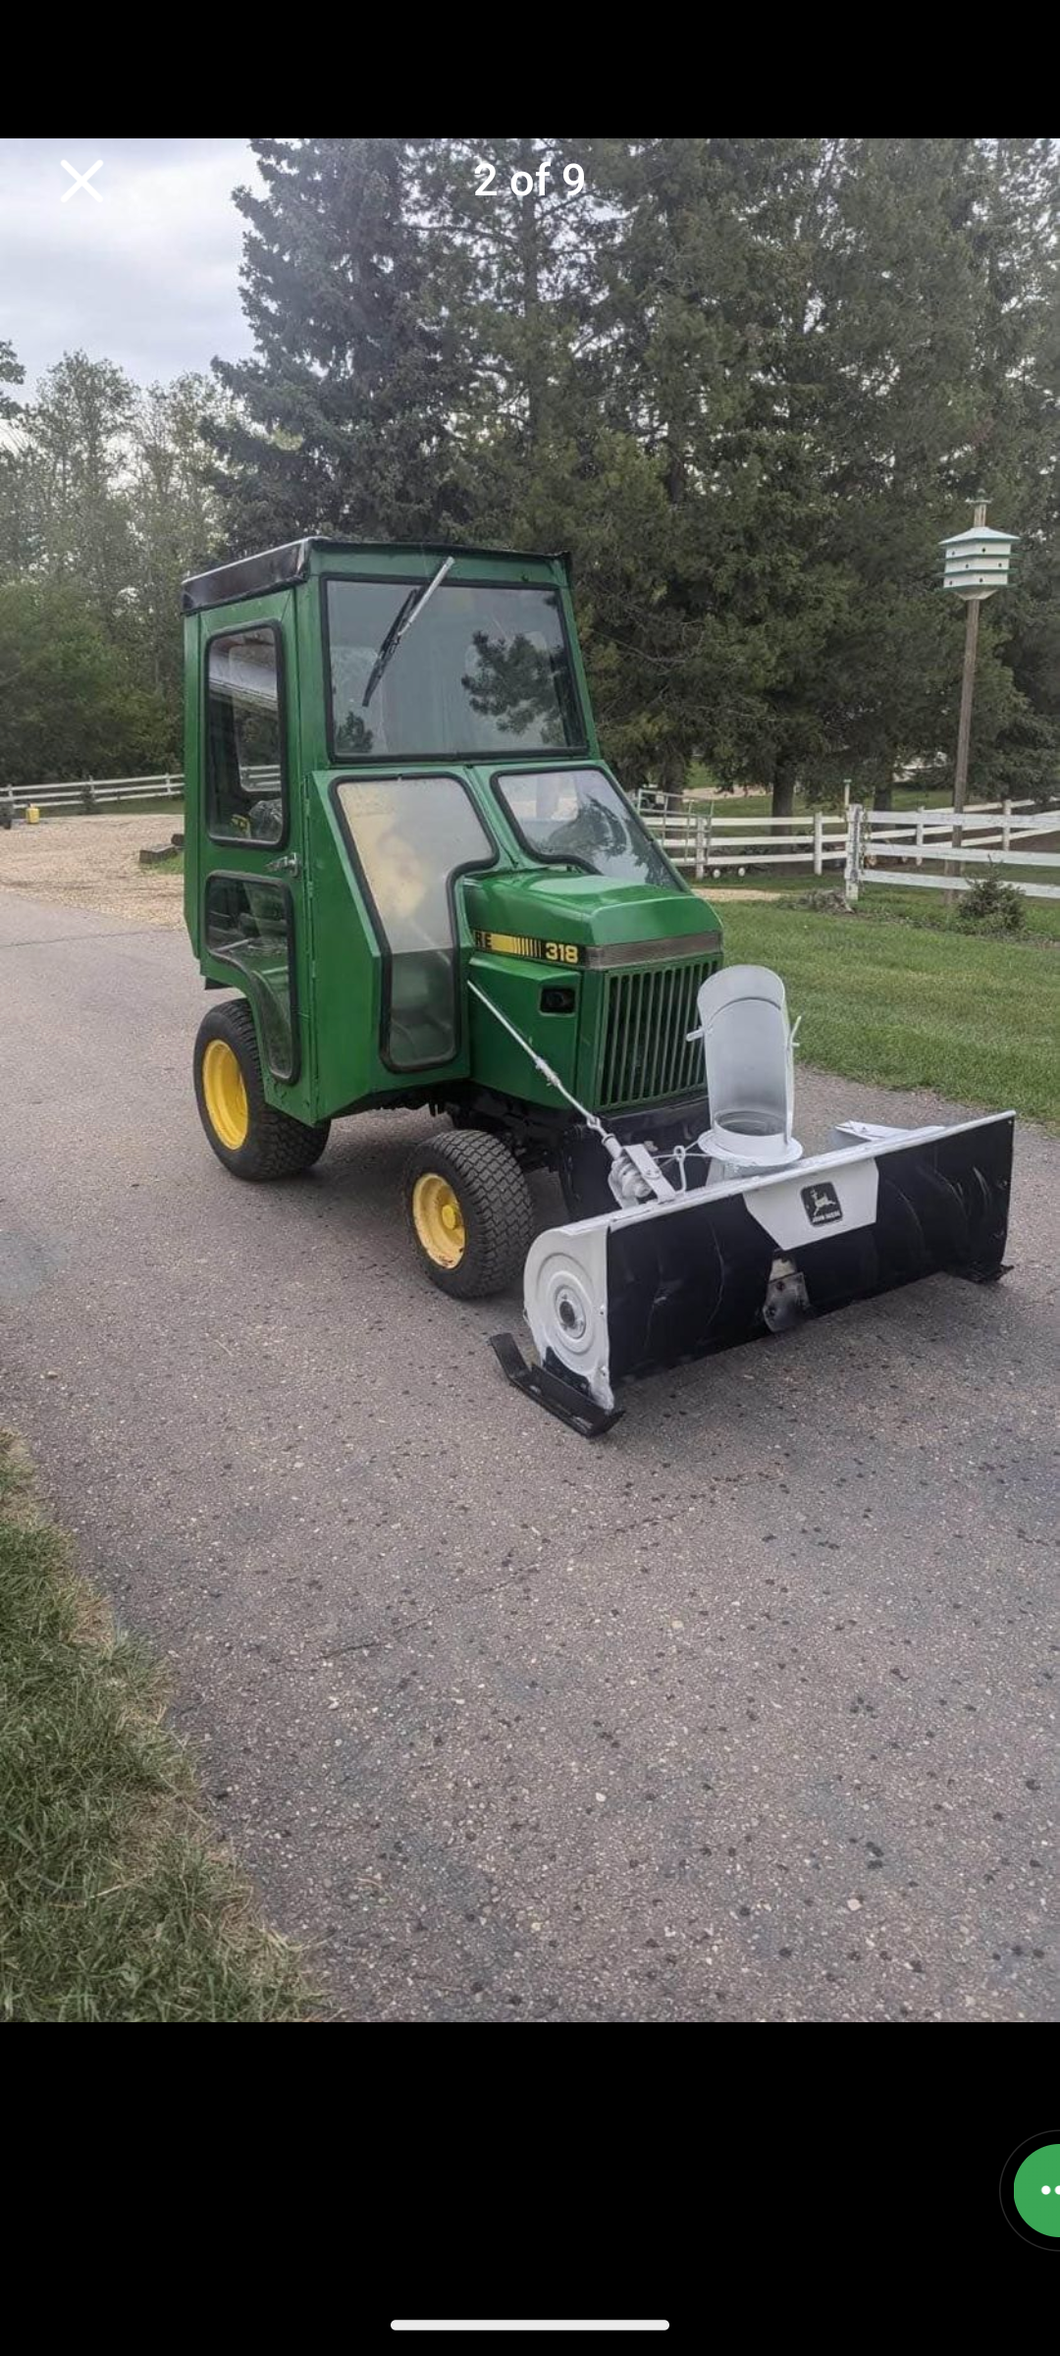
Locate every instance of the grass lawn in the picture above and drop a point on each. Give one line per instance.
(789, 880)
(1042, 917)
(914, 1003)
(758, 805)
(913, 906)
(113, 1904)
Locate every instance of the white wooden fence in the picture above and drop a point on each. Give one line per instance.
(99, 791)
(868, 846)
(71, 795)
(894, 848)
(707, 841)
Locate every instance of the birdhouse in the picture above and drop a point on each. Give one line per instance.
(977, 561)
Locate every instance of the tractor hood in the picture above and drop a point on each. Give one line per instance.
(589, 914)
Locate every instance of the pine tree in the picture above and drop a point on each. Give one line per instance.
(702, 279)
(511, 245)
(887, 369)
(749, 383)
(932, 275)
(1015, 217)
(344, 418)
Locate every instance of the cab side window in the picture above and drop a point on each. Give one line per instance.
(411, 835)
(246, 798)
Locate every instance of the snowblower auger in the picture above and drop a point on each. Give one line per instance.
(677, 1271)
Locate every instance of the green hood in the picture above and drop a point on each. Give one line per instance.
(590, 911)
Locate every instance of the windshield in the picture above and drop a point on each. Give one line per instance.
(480, 670)
(578, 816)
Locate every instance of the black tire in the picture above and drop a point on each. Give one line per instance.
(275, 1146)
(495, 1209)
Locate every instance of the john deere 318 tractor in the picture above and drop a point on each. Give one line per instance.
(404, 851)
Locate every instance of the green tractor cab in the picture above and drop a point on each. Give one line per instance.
(404, 851)
(394, 790)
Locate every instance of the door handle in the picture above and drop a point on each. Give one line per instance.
(286, 864)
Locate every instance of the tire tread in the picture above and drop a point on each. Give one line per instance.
(277, 1145)
(496, 1198)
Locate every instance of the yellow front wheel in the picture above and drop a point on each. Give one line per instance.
(225, 1095)
(469, 1211)
(250, 1136)
(439, 1220)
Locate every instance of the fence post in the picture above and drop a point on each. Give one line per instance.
(919, 838)
(710, 830)
(951, 866)
(1006, 828)
(818, 842)
(701, 830)
(852, 870)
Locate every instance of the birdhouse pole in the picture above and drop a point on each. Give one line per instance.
(976, 564)
(971, 650)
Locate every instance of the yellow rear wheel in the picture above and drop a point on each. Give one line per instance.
(252, 1137)
(439, 1220)
(225, 1094)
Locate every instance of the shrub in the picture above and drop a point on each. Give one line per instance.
(991, 906)
(832, 903)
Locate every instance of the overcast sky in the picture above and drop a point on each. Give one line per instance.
(147, 276)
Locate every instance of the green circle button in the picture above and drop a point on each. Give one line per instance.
(1036, 2190)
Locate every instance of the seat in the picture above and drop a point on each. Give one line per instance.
(748, 1051)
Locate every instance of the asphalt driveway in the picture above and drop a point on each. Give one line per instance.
(747, 1711)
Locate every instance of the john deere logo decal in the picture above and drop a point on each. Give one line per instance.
(821, 1204)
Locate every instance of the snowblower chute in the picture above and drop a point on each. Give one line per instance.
(759, 1236)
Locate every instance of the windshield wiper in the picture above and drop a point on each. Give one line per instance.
(403, 620)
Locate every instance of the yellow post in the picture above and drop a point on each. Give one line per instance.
(33, 815)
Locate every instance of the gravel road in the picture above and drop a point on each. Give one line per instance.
(747, 1712)
(94, 863)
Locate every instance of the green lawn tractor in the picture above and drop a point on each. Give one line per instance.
(403, 850)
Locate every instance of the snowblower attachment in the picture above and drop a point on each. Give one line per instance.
(764, 1236)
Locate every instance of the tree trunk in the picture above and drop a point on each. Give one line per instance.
(673, 772)
(883, 796)
(783, 788)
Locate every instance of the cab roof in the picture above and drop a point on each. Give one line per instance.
(279, 568)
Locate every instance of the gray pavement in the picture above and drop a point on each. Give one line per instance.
(747, 1712)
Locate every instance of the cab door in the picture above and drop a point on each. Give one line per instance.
(252, 909)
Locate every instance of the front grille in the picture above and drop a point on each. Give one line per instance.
(647, 1017)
